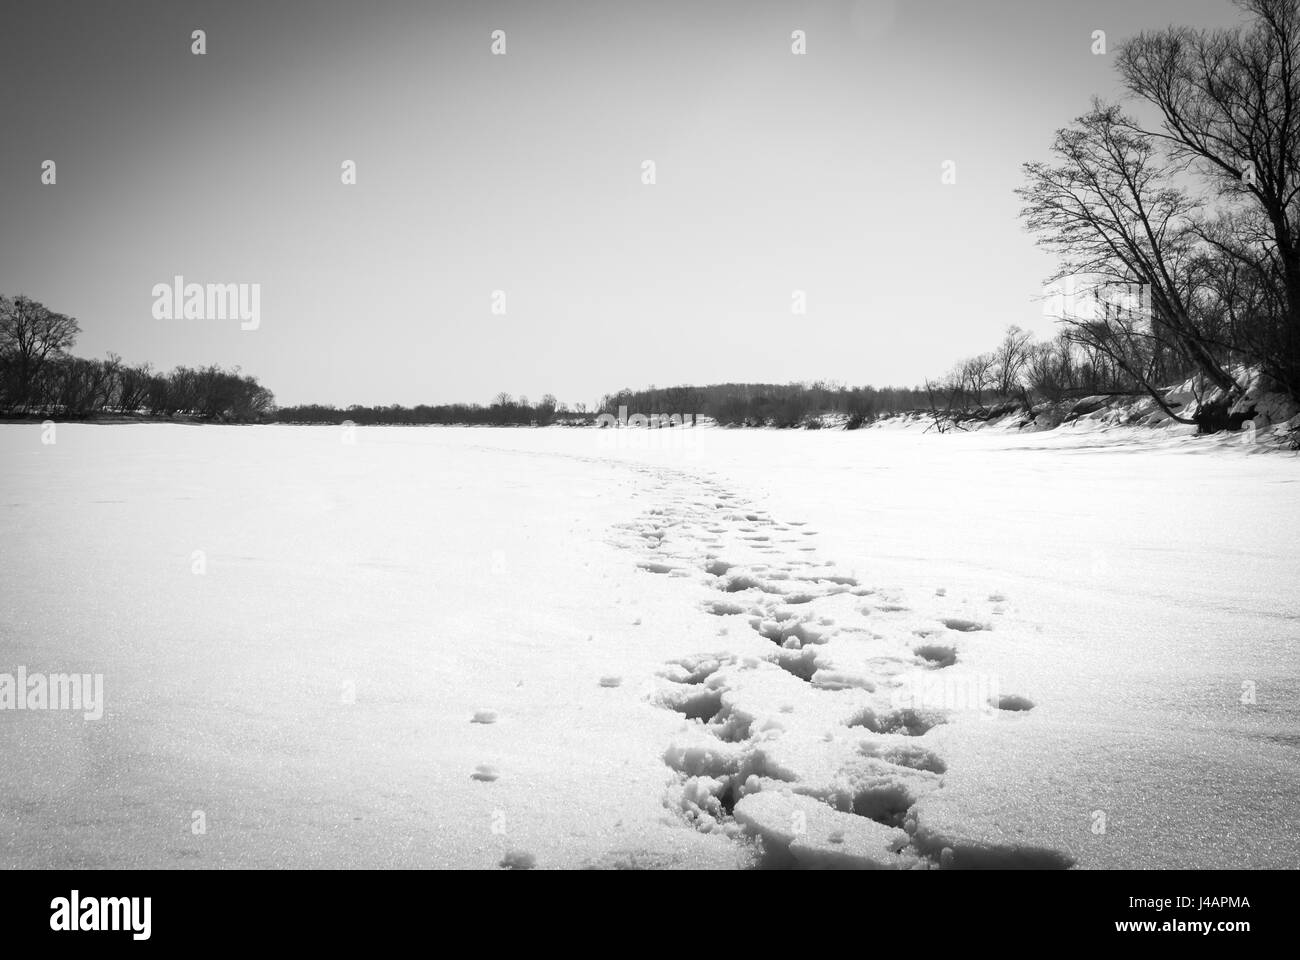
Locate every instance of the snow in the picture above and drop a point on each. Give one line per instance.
(798, 831)
(566, 647)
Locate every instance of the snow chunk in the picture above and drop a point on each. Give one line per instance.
(803, 832)
(841, 680)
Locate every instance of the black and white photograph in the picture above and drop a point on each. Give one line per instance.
(731, 435)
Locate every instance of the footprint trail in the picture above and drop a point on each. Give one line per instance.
(809, 739)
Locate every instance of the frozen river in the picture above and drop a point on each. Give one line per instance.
(446, 647)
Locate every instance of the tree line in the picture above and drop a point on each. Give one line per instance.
(766, 404)
(1022, 372)
(730, 404)
(40, 377)
(1180, 236)
(503, 411)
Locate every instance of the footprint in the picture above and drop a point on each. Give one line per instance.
(518, 860)
(694, 702)
(1012, 702)
(695, 670)
(906, 722)
(937, 654)
(800, 663)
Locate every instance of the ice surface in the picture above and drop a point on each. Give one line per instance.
(484, 648)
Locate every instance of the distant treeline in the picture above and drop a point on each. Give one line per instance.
(503, 411)
(38, 377)
(731, 404)
(769, 405)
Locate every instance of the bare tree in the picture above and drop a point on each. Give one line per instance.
(30, 335)
(133, 387)
(1009, 360)
(1112, 211)
(1229, 100)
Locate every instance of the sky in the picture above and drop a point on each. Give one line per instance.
(523, 173)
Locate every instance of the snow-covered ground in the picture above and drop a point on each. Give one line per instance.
(569, 647)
